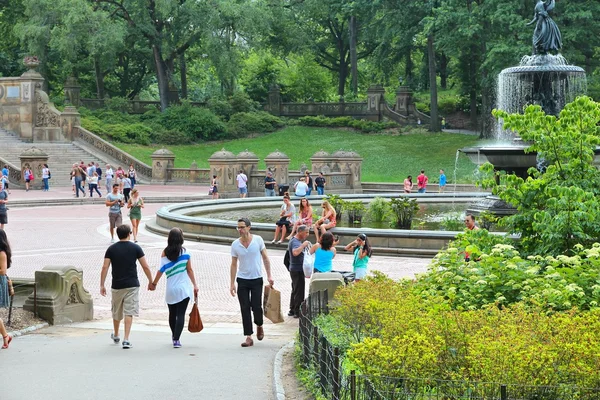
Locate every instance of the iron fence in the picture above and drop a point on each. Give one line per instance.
(326, 360)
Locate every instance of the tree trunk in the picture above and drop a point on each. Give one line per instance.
(443, 71)
(353, 55)
(183, 73)
(162, 78)
(99, 79)
(473, 93)
(435, 123)
(408, 69)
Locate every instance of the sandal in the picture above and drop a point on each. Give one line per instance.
(5, 346)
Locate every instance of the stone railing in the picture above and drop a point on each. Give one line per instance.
(14, 172)
(135, 106)
(326, 109)
(189, 175)
(103, 146)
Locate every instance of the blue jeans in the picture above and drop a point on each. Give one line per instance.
(270, 192)
(421, 190)
(46, 186)
(78, 186)
(320, 190)
(308, 191)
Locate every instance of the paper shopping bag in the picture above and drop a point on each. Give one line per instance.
(272, 305)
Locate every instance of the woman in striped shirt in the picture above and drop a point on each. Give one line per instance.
(176, 263)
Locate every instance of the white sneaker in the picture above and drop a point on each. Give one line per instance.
(127, 344)
(114, 338)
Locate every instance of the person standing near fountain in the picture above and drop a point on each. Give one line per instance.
(546, 37)
(442, 181)
(422, 180)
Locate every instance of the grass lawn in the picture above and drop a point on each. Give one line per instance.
(387, 158)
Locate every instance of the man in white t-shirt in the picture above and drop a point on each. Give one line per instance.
(246, 270)
(242, 184)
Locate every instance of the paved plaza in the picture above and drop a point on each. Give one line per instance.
(78, 235)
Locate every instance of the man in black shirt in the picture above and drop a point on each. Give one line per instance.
(320, 182)
(269, 184)
(125, 286)
(296, 248)
(309, 182)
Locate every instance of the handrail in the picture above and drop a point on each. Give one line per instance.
(14, 173)
(102, 145)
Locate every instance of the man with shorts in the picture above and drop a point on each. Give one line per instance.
(246, 269)
(242, 184)
(269, 185)
(114, 200)
(3, 209)
(125, 286)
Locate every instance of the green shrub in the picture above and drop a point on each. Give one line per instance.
(119, 104)
(346, 122)
(194, 122)
(244, 123)
(170, 137)
(220, 107)
(129, 133)
(241, 102)
(423, 107)
(449, 104)
(403, 211)
(379, 209)
(393, 332)
(452, 223)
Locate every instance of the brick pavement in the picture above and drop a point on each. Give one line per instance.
(78, 235)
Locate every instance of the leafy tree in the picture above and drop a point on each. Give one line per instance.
(558, 207)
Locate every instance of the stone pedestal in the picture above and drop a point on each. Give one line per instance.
(70, 120)
(162, 160)
(326, 280)
(375, 97)
(354, 164)
(61, 297)
(72, 92)
(274, 102)
(35, 159)
(278, 163)
(403, 100)
(320, 162)
(223, 164)
(247, 161)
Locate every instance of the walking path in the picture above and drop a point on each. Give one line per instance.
(78, 235)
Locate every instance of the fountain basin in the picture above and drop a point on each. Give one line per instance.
(416, 243)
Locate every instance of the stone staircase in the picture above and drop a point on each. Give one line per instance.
(61, 156)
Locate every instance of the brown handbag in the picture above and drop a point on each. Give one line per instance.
(195, 322)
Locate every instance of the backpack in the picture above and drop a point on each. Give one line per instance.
(286, 260)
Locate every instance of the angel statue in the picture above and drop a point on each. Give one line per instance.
(546, 37)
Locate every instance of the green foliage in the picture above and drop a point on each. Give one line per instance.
(355, 211)
(171, 137)
(487, 220)
(118, 104)
(395, 333)
(337, 203)
(347, 122)
(243, 123)
(403, 211)
(194, 122)
(241, 102)
(559, 207)
(452, 223)
(220, 107)
(379, 209)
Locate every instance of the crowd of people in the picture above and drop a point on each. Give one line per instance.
(91, 174)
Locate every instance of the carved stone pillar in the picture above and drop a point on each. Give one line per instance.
(162, 160)
(224, 165)
(70, 119)
(61, 297)
(35, 159)
(354, 163)
(375, 97)
(274, 103)
(278, 163)
(72, 92)
(403, 99)
(248, 162)
(319, 161)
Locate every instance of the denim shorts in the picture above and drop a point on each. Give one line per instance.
(243, 190)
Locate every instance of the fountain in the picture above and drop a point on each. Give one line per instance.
(544, 79)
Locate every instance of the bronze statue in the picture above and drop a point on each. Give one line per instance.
(546, 37)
